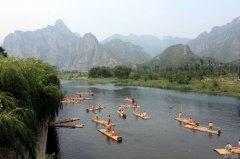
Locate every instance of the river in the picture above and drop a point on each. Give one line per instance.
(159, 137)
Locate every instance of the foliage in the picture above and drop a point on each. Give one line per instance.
(100, 72)
(121, 72)
(29, 95)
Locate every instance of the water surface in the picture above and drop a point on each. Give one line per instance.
(160, 137)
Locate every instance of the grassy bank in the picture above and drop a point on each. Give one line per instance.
(220, 86)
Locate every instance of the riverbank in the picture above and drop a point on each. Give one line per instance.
(219, 86)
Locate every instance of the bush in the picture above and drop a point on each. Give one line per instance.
(100, 72)
(121, 72)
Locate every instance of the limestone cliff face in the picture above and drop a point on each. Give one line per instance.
(222, 42)
(60, 47)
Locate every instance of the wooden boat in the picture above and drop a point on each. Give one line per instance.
(102, 122)
(204, 129)
(141, 115)
(184, 120)
(128, 99)
(95, 108)
(129, 106)
(235, 150)
(64, 120)
(109, 134)
(70, 101)
(69, 125)
(123, 115)
(81, 98)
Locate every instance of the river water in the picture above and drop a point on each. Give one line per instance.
(160, 137)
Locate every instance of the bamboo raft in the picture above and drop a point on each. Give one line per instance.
(184, 120)
(204, 129)
(235, 150)
(129, 106)
(128, 99)
(81, 98)
(102, 122)
(141, 116)
(95, 108)
(123, 115)
(109, 134)
(64, 120)
(68, 125)
(70, 101)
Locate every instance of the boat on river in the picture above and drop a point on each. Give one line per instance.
(184, 120)
(204, 129)
(102, 122)
(64, 120)
(123, 115)
(235, 150)
(109, 134)
(68, 125)
(95, 108)
(145, 117)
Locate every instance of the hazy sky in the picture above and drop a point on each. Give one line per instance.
(180, 18)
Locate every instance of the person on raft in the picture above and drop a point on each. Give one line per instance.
(180, 115)
(109, 119)
(91, 93)
(133, 100)
(210, 125)
(113, 133)
(108, 126)
(228, 147)
(144, 114)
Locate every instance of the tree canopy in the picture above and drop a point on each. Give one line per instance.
(29, 95)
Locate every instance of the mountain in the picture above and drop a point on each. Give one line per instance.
(151, 44)
(126, 52)
(58, 46)
(221, 42)
(176, 55)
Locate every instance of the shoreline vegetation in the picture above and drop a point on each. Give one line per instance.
(225, 85)
(30, 95)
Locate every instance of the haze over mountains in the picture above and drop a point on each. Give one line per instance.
(221, 42)
(151, 44)
(60, 47)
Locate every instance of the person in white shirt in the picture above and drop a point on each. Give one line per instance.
(144, 114)
(228, 147)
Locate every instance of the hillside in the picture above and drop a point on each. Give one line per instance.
(151, 44)
(221, 42)
(126, 52)
(176, 55)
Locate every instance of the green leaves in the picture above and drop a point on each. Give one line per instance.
(29, 95)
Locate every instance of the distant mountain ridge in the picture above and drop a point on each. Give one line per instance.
(221, 42)
(174, 56)
(151, 44)
(120, 50)
(60, 47)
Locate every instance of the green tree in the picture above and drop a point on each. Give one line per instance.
(121, 72)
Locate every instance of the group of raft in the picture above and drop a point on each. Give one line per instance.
(78, 98)
(109, 131)
(191, 124)
(135, 107)
(68, 122)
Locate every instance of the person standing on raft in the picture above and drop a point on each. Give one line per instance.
(109, 119)
(180, 115)
(210, 125)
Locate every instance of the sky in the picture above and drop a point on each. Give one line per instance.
(178, 18)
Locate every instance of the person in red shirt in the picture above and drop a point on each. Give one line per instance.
(109, 119)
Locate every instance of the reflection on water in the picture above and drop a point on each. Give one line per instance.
(159, 137)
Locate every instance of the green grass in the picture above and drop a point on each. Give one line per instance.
(220, 86)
